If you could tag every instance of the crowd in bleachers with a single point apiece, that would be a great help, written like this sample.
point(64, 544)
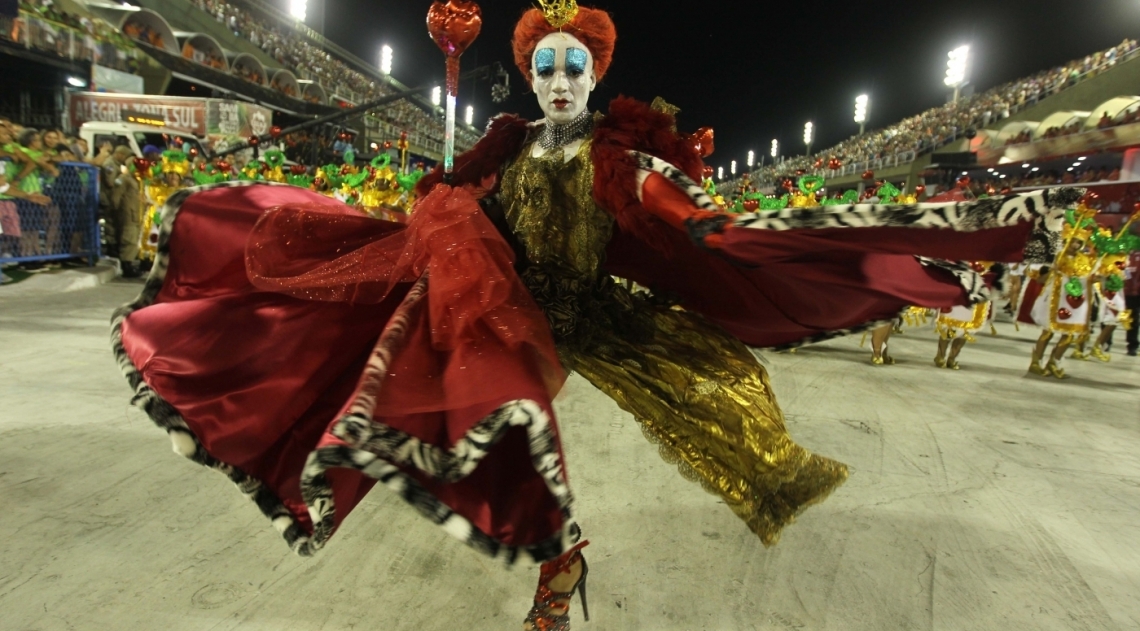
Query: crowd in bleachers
point(307, 60)
point(43, 26)
point(939, 125)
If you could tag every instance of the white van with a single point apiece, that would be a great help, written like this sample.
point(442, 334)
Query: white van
point(136, 137)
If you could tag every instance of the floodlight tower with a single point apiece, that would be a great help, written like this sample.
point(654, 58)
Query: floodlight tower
point(862, 104)
point(956, 69)
point(386, 59)
point(298, 9)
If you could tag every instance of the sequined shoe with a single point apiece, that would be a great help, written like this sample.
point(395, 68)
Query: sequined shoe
point(1101, 355)
point(952, 364)
point(1053, 370)
point(551, 610)
point(1079, 355)
point(1036, 369)
point(939, 362)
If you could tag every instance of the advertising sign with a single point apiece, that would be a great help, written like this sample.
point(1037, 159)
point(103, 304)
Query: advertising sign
point(231, 122)
point(182, 114)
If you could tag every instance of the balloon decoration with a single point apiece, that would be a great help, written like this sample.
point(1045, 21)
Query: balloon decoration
point(835, 164)
point(868, 174)
point(1064, 314)
point(818, 164)
point(275, 132)
point(920, 190)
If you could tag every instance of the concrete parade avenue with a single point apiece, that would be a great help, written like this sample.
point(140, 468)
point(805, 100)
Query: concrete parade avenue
point(983, 499)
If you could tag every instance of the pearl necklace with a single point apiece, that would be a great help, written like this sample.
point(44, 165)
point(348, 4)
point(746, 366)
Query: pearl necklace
point(554, 136)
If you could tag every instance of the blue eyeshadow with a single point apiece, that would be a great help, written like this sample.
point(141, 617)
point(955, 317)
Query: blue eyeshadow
point(544, 60)
point(576, 60)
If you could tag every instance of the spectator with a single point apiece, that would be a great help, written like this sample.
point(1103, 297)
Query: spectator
point(1132, 300)
point(119, 199)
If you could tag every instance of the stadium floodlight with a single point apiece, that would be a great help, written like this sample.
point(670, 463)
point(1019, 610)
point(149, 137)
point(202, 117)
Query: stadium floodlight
point(386, 59)
point(775, 148)
point(751, 159)
point(809, 136)
point(956, 69)
point(861, 103)
point(469, 115)
point(298, 9)
point(720, 173)
point(436, 96)
point(732, 167)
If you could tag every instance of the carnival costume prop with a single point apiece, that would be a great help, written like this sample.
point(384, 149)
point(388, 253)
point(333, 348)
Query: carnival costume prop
point(356, 351)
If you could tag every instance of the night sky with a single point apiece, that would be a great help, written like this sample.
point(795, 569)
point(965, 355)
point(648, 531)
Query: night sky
point(755, 71)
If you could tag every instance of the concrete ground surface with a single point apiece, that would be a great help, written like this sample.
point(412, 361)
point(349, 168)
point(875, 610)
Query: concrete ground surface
point(979, 499)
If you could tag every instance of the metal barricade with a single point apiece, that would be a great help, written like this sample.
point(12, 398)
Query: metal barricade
point(67, 228)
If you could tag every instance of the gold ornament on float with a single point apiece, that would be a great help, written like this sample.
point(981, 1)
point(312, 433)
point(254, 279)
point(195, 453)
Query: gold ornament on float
point(559, 13)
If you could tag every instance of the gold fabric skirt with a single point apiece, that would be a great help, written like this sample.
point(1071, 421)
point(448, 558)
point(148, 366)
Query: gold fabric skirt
point(702, 396)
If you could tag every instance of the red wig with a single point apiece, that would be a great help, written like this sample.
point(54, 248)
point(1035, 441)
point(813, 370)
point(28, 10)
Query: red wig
point(593, 27)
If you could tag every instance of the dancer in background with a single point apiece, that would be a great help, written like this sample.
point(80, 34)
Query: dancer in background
point(1058, 299)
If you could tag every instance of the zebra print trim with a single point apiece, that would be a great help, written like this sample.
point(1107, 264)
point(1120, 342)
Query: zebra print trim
point(377, 450)
point(975, 286)
point(390, 447)
point(161, 412)
point(380, 450)
point(1042, 207)
point(647, 164)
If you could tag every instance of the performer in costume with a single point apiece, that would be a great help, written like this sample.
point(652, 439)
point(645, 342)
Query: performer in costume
point(158, 184)
point(960, 319)
point(1057, 300)
point(307, 351)
point(1110, 308)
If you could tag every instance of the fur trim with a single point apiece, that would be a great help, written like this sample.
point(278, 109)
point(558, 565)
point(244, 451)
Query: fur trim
point(634, 126)
point(377, 450)
point(1046, 208)
point(650, 164)
point(502, 141)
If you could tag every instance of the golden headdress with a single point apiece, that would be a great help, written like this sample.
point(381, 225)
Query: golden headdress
point(559, 13)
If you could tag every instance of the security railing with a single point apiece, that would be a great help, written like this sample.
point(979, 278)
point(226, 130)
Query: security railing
point(66, 228)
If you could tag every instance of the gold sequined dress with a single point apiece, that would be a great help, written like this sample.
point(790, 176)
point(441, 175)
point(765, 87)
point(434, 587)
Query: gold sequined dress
point(697, 392)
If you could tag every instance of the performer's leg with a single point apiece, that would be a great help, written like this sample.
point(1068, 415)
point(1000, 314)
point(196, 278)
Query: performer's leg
point(879, 337)
point(557, 582)
point(1081, 343)
point(1133, 337)
point(1104, 342)
point(955, 348)
point(1039, 352)
point(1053, 368)
point(943, 344)
point(1014, 295)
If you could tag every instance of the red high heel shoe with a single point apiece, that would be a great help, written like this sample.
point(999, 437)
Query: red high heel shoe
point(551, 610)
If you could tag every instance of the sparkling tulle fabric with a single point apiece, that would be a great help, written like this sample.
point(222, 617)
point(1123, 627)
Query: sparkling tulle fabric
point(697, 392)
point(477, 304)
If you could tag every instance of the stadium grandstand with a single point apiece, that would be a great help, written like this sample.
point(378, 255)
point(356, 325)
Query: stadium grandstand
point(984, 124)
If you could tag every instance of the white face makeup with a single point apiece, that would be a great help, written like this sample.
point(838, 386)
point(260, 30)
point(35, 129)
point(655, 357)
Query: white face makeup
point(562, 74)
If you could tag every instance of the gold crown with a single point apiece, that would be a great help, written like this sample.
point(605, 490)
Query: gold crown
point(559, 13)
